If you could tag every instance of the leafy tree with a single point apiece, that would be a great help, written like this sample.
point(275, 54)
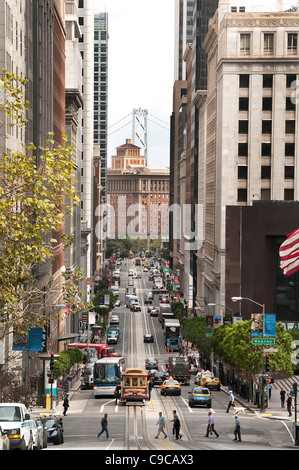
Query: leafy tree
point(32, 192)
point(233, 344)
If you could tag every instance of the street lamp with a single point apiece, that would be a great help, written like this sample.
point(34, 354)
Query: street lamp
point(236, 299)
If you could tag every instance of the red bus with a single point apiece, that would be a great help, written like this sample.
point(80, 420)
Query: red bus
point(103, 350)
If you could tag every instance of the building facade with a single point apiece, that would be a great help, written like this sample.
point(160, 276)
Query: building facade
point(249, 120)
point(138, 196)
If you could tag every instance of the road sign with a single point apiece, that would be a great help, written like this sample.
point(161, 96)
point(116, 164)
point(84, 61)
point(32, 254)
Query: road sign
point(263, 340)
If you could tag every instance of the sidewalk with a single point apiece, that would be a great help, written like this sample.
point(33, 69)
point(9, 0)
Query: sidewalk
point(57, 411)
point(274, 409)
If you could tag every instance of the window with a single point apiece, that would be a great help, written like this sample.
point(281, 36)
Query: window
point(290, 79)
point(243, 149)
point(289, 149)
point(267, 104)
point(289, 195)
point(243, 104)
point(292, 42)
point(290, 126)
point(242, 195)
point(266, 172)
point(244, 81)
point(265, 194)
point(267, 81)
point(266, 126)
point(290, 104)
point(245, 43)
point(268, 43)
point(289, 172)
point(242, 172)
point(266, 149)
point(243, 127)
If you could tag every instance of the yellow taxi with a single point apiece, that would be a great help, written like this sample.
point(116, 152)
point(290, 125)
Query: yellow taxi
point(170, 387)
point(210, 381)
point(145, 270)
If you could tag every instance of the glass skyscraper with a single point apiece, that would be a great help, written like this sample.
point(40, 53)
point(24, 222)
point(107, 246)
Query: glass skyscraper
point(101, 93)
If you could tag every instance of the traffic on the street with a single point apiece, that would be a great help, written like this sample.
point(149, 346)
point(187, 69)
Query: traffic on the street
point(157, 382)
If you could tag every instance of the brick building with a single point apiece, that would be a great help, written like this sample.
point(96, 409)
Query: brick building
point(138, 196)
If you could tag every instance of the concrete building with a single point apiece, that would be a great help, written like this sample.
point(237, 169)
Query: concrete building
point(249, 124)
point(192, 19)
point(86, 116)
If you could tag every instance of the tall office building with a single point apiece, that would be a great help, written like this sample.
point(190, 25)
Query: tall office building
point(101, 93)
point(192, 19)
point(249, 119)
point(86, 115)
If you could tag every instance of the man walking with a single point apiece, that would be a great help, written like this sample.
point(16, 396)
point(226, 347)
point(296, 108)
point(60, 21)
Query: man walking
point(104, 423)
point(66, 404)
point(231, 401)
point(161, 423)
point(211, 424)
point(237, 429)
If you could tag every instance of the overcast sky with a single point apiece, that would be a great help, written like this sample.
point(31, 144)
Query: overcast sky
point(140, 66)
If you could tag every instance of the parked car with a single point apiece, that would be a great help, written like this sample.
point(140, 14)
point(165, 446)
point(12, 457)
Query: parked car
point(54, 427)
point(43, 432)
point(4, 440)
point(37, 434)
point(14, 418)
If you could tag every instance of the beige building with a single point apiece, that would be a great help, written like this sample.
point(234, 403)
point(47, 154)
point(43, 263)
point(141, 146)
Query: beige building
point(138, 196)
point(248, 126)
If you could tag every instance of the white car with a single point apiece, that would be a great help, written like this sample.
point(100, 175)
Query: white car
point(114, 320)
point(36, 434)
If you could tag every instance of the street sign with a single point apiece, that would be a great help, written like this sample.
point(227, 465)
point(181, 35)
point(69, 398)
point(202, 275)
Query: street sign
point(263, 340)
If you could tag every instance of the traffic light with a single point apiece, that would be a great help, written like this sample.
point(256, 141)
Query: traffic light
point(295, 388)
point(52, 361)
point(267, 366)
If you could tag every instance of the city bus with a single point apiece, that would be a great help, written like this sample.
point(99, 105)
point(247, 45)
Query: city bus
point(107, 374)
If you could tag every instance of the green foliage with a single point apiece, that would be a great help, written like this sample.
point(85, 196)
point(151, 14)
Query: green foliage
point(66, 360)
point(33, 191)
point(233, 345)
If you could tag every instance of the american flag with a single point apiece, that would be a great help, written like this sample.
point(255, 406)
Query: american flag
point(289, 254)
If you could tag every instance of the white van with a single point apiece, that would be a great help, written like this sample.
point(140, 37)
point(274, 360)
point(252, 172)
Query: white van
point(14, 418)
point(129, 298)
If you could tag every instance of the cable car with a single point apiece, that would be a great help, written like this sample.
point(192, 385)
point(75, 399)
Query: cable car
point(134, 386)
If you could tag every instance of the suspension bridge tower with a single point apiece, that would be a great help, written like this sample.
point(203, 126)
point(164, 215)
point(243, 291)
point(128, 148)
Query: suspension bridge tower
point(139, 129)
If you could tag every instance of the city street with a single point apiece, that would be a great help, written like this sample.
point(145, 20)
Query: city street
point(128, 432)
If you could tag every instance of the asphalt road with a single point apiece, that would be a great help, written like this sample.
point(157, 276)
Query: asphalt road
point(82, 422)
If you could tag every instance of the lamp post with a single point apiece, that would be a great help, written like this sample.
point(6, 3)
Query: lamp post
point(212, 304)
point(236, 299)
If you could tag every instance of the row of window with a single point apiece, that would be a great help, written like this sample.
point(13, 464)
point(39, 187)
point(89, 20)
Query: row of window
point(268, 43)
point(266, 149)
point(244, 80)
point(289, 172)
point(265, 195)
point(290, 126)
point(267, 104)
